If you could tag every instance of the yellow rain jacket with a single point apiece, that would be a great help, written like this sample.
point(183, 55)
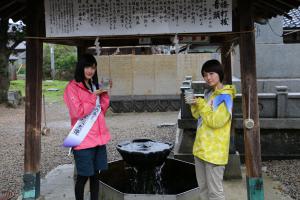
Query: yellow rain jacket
point(214, 121)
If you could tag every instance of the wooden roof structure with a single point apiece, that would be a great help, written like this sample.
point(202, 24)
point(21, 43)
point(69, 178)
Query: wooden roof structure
point(16, 9)
point(262, 9)
point(245, 12)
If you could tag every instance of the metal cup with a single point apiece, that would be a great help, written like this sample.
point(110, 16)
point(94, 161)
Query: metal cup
point(189, 96)
point(105, 84)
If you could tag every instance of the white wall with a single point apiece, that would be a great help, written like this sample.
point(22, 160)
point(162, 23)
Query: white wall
point(150, 74)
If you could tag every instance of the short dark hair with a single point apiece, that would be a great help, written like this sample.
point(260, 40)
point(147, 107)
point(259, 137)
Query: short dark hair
point(213, 66)
point(86, 60)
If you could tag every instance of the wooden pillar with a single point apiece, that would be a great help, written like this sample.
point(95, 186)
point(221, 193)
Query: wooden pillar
point(34, 56)
point(249, 95)
point(81, 50)
point(226, 61)
point(233, 167)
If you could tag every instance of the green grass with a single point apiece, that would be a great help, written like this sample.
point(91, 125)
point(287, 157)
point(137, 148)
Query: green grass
point(50, 96)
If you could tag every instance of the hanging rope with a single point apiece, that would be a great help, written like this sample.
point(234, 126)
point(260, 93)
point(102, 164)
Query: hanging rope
point(249, 102)
point(134, 36)
point(249, 123)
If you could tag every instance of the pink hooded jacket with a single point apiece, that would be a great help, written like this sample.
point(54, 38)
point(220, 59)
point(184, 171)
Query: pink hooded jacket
point(80, 102)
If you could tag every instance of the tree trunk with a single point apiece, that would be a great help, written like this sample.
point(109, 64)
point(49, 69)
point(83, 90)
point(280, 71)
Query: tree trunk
point(4, 56)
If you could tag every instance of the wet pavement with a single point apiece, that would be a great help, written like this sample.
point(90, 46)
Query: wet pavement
point(58, 185)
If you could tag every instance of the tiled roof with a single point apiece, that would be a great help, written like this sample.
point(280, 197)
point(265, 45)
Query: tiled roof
point(292, 23)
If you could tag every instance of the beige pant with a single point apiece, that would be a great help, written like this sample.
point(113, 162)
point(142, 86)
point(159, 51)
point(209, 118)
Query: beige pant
point(209, 178)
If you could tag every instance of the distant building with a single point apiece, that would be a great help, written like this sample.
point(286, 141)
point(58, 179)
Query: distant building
point(277, 53)
point(17, 60)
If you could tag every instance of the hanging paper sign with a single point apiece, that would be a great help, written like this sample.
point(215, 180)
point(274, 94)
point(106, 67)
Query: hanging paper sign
point(65, 18)
point(195, 39)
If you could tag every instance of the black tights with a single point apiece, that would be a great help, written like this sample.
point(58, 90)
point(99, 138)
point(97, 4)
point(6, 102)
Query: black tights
point(94, 187)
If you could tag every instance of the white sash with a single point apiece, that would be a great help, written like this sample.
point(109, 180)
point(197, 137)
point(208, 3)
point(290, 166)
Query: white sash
point(82, 127)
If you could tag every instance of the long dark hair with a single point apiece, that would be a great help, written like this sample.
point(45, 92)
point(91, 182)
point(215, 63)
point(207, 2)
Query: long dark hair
point(86, 60)
point(213, 66)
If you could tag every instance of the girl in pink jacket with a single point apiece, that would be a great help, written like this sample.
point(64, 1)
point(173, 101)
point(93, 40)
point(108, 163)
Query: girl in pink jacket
point(81, 96)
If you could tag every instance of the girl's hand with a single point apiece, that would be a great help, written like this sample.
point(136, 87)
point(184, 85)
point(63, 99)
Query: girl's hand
point(99, 91)
point(190, 101)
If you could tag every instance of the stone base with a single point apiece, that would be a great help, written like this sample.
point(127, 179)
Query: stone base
point(263, 85)
point(233, 168)
point(14, 98)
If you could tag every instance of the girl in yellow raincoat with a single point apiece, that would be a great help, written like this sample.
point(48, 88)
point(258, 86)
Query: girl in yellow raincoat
point(211, 146)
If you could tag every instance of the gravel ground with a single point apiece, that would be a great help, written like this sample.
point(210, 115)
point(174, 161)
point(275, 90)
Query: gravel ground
point(122, 127)
point(125, 126)
point(288, 173)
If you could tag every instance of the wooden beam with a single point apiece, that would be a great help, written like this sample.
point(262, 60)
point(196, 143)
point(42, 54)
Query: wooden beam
point(282, 2)
point(13, 13)
point(6, 14)
point(34, 56)
point(62, 42)
point(108, 42)
point(278, 10)
point(226, 62)
point(263, 11)
point(80, 51)
point(7, 5)
point(17, 13)
point(249, 96)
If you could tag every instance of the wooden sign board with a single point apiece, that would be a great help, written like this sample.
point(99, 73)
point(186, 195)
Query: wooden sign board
point(65, 18)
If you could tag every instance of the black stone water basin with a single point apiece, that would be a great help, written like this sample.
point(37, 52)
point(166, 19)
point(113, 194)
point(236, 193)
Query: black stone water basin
point(178, 179)
point(144, 153)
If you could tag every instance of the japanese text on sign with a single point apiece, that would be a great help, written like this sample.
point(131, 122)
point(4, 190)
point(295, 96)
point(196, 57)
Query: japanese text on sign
point(132, 17)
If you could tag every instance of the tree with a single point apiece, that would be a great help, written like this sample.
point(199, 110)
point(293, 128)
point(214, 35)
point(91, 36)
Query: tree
point(11, 34)
point(65, 60)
